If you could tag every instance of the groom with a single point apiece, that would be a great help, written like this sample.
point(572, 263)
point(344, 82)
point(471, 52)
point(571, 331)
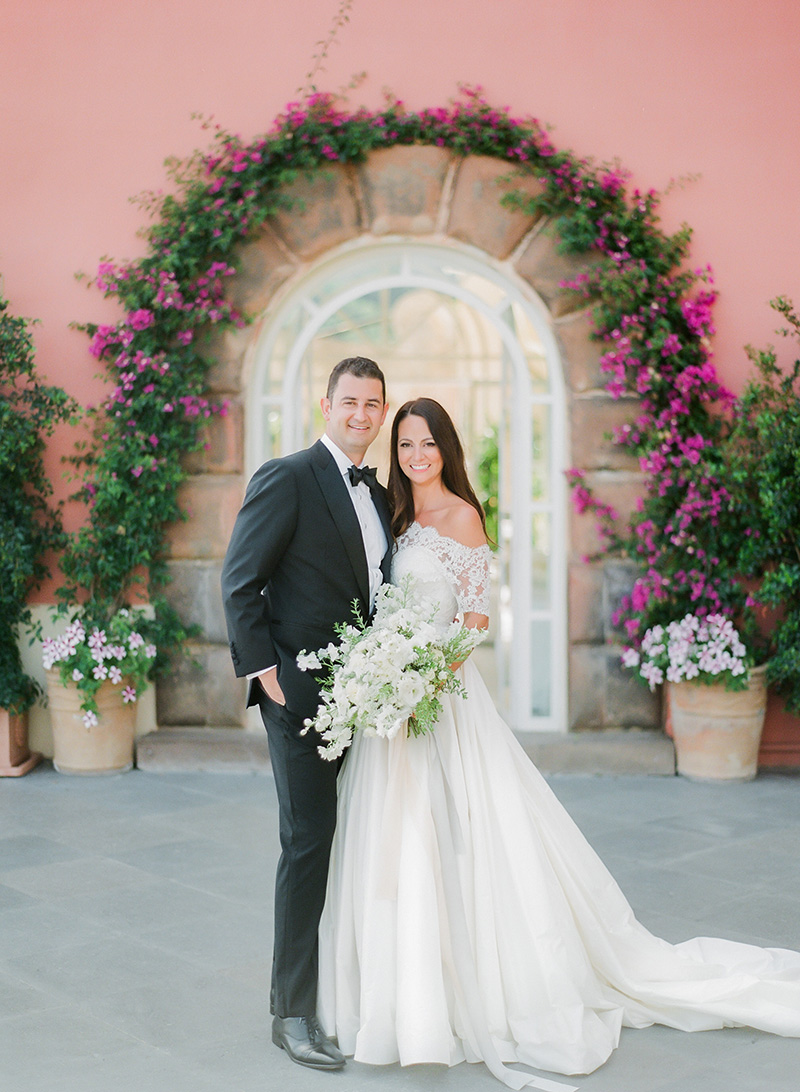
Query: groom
point(312, 536)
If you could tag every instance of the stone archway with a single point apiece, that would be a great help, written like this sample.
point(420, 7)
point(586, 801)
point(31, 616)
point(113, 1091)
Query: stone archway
point(418, 191)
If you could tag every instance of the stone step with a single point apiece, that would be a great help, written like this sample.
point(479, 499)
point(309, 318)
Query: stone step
point(610, 751)
point(203, 750)
point(233, 750)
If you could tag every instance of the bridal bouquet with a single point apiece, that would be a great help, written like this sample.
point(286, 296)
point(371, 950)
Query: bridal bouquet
point(389, 674)
point(706, 649)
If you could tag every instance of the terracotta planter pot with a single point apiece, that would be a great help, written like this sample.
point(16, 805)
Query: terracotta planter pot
point(16, 758)
point(717, 732)
point(105, 748)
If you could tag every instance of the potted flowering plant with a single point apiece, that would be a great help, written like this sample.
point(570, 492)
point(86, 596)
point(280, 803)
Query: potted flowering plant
point(722, 552)
point(95, 676)
point(717, 699)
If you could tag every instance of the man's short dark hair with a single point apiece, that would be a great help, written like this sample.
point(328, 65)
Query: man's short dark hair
point(360, 366)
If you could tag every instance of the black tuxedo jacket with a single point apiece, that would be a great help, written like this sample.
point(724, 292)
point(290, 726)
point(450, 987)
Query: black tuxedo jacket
point(295, 564)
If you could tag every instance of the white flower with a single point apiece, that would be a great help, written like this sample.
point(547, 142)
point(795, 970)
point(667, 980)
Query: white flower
point(308, 661)
point(383, 674)
point(652, 675)
point(710, 646)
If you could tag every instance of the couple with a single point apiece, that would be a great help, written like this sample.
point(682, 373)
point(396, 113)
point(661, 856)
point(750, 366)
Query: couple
point(465, 916)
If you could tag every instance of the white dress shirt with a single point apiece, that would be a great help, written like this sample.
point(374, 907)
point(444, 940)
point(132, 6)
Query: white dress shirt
point(372, 532)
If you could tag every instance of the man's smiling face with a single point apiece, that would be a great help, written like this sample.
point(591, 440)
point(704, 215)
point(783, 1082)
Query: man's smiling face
point(354, 414)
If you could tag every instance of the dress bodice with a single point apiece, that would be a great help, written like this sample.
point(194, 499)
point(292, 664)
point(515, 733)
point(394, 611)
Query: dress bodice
point(451, 575)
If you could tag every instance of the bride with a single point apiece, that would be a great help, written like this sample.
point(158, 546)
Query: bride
point(466, 917)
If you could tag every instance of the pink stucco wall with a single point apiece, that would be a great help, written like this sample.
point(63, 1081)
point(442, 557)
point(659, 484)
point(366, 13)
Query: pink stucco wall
point(95, 95)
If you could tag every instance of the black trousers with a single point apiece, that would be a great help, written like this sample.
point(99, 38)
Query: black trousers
point(306, 787)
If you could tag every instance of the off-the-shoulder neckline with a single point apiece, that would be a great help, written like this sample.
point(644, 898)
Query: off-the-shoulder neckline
point(447, 538)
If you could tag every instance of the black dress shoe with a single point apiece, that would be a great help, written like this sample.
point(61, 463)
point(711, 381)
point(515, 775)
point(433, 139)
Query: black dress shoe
point(306, 1043)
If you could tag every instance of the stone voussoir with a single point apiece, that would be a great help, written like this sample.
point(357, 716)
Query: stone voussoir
point(476, 213)
point(580, 354)
point(262, 266)
point(223, 443)
point(227, 350)
point(324, 211)
point(544, 268)
point(402, 188)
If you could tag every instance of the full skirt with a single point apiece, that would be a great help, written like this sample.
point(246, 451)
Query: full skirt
point(468, 918)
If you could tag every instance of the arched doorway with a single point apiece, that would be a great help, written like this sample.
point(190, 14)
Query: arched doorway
point(444, 320)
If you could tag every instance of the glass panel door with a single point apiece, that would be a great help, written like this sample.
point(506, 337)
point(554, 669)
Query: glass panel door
point(442, 323)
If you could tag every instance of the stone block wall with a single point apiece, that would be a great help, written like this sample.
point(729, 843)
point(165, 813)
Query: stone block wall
point(420, 192)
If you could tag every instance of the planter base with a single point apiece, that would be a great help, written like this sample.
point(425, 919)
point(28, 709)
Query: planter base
point(105, 748)
point(90, 773)
point(16, 758)
point(33, 759)
point(716, 731)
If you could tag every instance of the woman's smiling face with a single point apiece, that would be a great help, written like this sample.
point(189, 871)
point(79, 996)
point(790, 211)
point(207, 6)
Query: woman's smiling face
point(417, 452)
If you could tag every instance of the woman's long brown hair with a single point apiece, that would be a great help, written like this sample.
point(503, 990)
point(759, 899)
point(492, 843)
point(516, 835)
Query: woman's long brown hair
point(454, 470)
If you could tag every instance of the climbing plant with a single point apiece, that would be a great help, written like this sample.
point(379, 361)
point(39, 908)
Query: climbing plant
point(651, 310)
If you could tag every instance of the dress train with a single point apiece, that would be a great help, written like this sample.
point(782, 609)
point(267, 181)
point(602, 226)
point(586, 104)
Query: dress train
point(468, 918)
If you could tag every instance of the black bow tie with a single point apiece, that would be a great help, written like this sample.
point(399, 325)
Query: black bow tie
point(366, 474)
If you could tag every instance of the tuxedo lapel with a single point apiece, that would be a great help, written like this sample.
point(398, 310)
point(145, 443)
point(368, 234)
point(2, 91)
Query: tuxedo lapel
point(334, 492)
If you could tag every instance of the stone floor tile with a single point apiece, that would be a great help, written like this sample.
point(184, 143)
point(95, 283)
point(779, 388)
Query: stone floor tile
point(192, 1011)
point(38, 1042)
point(104, 966)
point(118, 837)
point(150, 906)
point(212, 945)
point(184, 860)
point(219, 822)
point(138, 1069)
point(61, 879)
point(10, 899)
point(18, 997)
point(25, 850)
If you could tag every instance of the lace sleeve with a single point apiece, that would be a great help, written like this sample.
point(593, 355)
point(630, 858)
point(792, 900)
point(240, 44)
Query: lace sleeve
point(466, 568)
point(472, 575)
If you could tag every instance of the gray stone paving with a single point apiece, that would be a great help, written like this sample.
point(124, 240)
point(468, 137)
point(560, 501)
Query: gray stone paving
point(135, 930)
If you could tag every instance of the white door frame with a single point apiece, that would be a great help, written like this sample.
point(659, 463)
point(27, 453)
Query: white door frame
point(407, 254)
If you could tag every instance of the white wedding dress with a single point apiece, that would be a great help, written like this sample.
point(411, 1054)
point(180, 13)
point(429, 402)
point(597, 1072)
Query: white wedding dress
point(468, 918)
